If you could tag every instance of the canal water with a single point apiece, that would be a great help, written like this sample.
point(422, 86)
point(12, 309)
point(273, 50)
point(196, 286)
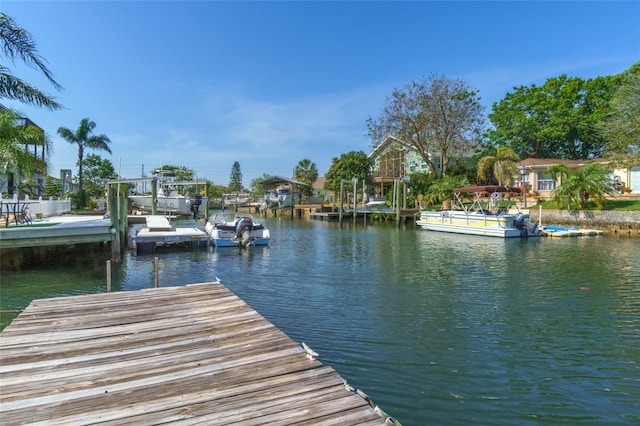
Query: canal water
point(437, 329)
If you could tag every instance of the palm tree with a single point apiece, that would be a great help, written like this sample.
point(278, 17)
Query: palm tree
point(502, 166)
point(83, 138)
point(307, 172)
point(590, 182)
point(14, 140)
point(16, 43)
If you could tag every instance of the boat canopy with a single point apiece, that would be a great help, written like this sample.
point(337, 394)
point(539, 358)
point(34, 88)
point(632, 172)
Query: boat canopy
point(274, 181)
point(487, 189)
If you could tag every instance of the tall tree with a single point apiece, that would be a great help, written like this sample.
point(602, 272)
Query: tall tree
point(622, 127)
point(501, 167)
point(14, 140)
point(559, 119)
point(256, 186)
point(435, 116)
point(307, 172)
point(353, 164)
point(17, 43)
point(235, 179)
point(85, 140)
point(97, 171)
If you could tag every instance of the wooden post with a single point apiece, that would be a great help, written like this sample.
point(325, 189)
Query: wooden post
point(157, 272)
point(355, 200)
point(340, 204)
point(154, 195)
point(397, 198)
point(114, 215)
point(108, 276)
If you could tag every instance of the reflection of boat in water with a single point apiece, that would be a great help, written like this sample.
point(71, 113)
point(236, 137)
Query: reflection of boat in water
point(169, 200)
point(236, 199)
point(476, 219)
point(240, 230)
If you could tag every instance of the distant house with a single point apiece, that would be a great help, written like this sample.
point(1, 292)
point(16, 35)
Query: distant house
point(393, 161)
point(540, 182)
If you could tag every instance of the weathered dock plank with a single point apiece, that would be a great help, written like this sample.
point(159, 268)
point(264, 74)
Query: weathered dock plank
point(185, 355)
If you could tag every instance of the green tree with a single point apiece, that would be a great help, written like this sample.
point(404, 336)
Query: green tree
point(434, 116)
point(256, 186)
point(622, 127)
point(52, 187)
point(14, 140)
point(559, 119)
point(96, 173)
point(442, 189)
point(307, 172)
point(235, 179)
point(419, 184)
point(85, 140)
point(353, 164)
point(17, 43)
point(501, 167)
point(174, 173)
point(577, 187)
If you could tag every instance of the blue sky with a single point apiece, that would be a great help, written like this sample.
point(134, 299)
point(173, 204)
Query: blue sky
point(203, 84)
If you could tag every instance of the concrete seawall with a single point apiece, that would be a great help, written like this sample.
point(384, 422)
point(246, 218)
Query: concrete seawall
point(611, 222)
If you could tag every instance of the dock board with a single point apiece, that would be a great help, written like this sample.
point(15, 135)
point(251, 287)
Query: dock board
point(192, 354)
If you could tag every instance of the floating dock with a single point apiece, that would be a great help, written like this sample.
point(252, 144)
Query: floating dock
point(562, 231)
point(58, 230)
point(191, 354)
point(159, 232)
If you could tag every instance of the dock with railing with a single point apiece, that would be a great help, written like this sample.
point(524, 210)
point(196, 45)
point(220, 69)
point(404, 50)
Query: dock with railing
point(191, 354)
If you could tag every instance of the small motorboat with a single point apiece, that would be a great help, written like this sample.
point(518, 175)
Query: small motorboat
point(241, 230)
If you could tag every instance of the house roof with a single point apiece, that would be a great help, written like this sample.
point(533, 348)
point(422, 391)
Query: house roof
point(384, 145)
point(278, 180)
point(548, 162)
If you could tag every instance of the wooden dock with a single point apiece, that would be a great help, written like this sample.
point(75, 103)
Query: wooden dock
point(192, 354)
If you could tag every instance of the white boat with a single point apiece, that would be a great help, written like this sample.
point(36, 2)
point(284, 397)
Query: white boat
point(476, 219)
point(281, 198)
point(241, 230)
point(171, 202)
point(236, 199)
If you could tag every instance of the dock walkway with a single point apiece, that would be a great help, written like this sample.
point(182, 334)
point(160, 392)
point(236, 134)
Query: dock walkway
point(192, 354)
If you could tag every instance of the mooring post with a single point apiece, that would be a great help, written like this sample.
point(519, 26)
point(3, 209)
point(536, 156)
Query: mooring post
point(154, 195)
point(108, 276)
point(157, 272)
point(340, 204)
point(115, 217)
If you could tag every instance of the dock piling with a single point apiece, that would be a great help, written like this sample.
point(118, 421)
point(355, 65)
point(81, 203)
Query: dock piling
point(108, 276)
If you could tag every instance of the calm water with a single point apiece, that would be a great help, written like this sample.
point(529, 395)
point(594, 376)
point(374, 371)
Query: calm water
point(438, 329)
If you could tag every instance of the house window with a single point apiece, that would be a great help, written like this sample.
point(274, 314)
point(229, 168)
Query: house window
point(546, 182)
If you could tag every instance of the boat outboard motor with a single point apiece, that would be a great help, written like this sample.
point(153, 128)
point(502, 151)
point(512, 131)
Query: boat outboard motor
point(243, 231)
point(525, 225)
point(195, 203)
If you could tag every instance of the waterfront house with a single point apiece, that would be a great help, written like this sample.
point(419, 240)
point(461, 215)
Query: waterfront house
point(539, 182)
point(392, 161)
